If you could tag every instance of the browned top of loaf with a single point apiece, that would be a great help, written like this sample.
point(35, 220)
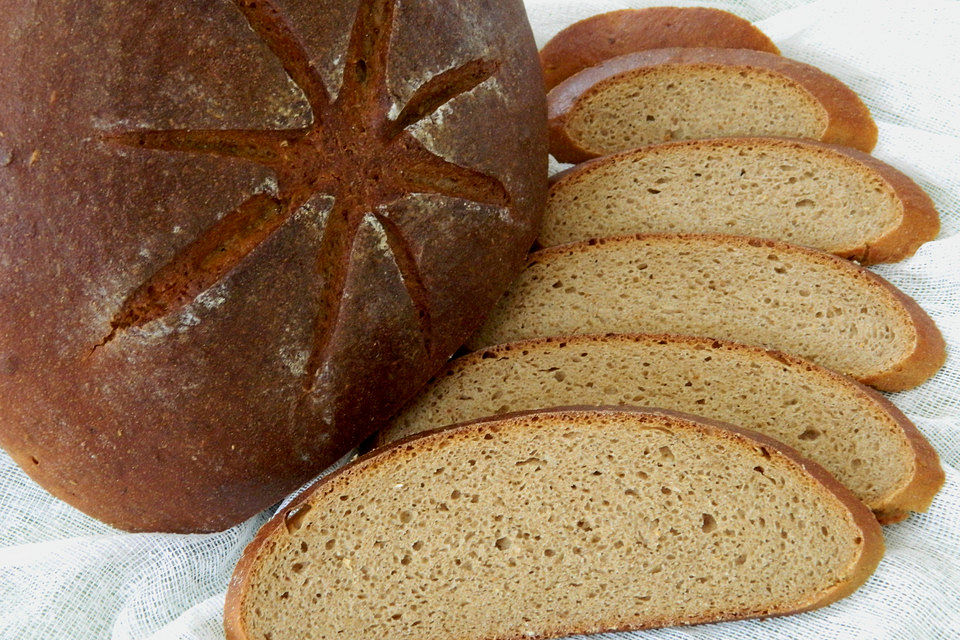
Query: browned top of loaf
point(924, 348)
point(848, 120)
point(601, 37)
point(222, 219)
point(279, 532)
point(919, 221)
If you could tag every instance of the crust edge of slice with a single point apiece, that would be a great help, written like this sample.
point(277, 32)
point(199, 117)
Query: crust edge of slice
point(849, 122)
point(919, 224)
point(914, 496)
point(584, 43)
point(929, 348)
point(872, 547)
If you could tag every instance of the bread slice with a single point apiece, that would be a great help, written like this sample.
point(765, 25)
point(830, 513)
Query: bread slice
point(759, 292)
point(679, 94)
point(551, 524)
point(608, 35)
point(852, 431)
point(819, 195)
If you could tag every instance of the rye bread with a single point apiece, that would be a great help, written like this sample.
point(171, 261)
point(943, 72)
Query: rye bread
point(555, 523)
point(663, 95)
point(591, 41)
point(760, 292)
point(222, 218)
point(859, 436)
point(824, 196)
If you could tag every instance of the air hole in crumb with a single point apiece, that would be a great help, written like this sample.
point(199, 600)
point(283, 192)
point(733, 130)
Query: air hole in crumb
point(304, 547)
point(330, 544)
point(405, 517)
point(740, 559)
point(297, 567)
point(503, 543)
point(666, 454)
point(294, 519)
point(406, 559)
point(709, 523)
point(858, 540)
point(810, 434)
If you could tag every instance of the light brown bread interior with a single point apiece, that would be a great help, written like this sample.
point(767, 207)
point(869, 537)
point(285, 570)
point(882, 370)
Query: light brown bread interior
point(551, 524)
point(853, 432)
point(759, 292)
point(831, 198)
point(670, 94)
point(682, 102)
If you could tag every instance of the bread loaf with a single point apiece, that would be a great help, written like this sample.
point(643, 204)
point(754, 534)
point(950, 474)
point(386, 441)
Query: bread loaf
point(608, 35)
point(223, 218)
point(679, 94)
point(855, 433)
point(551, 524)
point(832, 198)
point(759, 292)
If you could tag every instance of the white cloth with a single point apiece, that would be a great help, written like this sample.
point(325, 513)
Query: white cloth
point(66, 576)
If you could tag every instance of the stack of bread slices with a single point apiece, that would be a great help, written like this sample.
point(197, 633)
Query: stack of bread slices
point(671, 417)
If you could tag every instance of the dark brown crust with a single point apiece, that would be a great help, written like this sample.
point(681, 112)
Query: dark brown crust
point(916, 496)
point(919, 224)
point(181, 342)
point(820, 480)
point(608, 35)
point(848, 119)
point(929, 352)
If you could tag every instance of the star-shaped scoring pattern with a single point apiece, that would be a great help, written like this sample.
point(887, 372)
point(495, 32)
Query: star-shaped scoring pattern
point(352, 151)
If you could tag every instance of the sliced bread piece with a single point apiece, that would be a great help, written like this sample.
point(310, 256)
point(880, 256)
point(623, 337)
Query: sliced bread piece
point(854, 432)
point(608, 35)
point(759, 292)
point(829, 197)
point(550, 524)
point(680, 94)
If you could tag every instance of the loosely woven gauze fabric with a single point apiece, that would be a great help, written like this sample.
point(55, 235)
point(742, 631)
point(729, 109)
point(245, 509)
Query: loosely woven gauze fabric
point(66, 576)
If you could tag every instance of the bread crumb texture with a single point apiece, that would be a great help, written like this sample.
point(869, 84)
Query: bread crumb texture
point(762, 293)
point(780, 189)
point(551, 524)
point(686, 101)
point(828, 419)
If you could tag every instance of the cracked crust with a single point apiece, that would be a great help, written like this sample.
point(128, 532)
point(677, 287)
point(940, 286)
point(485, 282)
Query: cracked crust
point(860, 518)
point(848, 121)
point(591, 41)
point(238, 213)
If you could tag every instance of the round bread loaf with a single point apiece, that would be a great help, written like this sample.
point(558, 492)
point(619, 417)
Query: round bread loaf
point(239, 234)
